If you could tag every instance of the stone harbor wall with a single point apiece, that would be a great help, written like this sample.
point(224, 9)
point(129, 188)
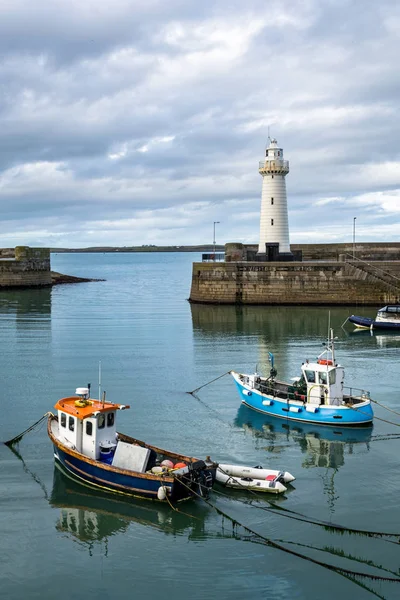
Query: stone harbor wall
point(312, 283)
point(29, 267)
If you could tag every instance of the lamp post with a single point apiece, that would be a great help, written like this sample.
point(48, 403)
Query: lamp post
point(215, 223)
point(354, 237)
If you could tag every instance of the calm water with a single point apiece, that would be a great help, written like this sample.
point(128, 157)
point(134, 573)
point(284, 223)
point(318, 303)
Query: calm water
point(59, 539)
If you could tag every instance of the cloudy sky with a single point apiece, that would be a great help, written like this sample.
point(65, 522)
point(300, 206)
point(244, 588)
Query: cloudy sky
point(129, 122)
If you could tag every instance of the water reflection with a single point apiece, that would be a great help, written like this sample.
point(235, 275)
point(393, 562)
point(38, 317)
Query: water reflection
point(29, 302)
point(321, 446)
point(90, 516)
point(289, 332)
point(271, 321)
point(383, 339)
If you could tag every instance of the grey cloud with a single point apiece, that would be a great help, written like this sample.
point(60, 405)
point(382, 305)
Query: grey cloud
point(87, 86)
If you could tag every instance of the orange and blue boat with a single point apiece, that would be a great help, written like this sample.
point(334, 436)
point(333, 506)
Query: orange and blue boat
point(88, 446)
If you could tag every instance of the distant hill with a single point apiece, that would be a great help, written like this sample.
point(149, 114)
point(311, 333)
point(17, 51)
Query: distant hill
point(149, 248)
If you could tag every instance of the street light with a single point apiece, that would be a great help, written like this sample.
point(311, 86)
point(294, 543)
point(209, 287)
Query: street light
point(354, 237)
point(215, 223)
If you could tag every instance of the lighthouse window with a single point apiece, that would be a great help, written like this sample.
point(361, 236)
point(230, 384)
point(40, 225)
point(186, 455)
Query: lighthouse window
point(272, 221)
point(272, 176)
point(63, 420)
point(89, 428)
point(110, 419)
point(272, 200)
point(101, 421)
point(71, 423)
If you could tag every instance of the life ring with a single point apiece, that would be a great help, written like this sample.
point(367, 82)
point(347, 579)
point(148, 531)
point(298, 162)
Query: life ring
point(324, 361)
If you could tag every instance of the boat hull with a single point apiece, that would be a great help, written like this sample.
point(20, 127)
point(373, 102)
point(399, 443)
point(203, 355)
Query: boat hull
point(129, 483)
point(368, 323)
point(359, 415)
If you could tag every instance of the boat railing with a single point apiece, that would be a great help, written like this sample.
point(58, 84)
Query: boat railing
point(352, 392)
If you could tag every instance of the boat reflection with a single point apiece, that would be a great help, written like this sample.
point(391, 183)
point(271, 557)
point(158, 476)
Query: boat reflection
point(88, 516)
point(322, 446)
point(383, 339)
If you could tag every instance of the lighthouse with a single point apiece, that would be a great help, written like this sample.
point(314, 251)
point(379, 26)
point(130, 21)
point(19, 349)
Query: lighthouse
point(274, 223)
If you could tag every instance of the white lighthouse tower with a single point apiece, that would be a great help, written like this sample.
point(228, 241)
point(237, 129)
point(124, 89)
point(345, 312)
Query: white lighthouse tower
point(274, 223)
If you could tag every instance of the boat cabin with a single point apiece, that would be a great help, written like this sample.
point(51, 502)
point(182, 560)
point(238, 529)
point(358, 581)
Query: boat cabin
point(87, 425)
point(324, 382)
point(390, 314)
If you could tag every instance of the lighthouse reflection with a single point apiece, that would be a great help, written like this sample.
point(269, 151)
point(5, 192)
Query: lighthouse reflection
point(90, 517)
point(321, 446)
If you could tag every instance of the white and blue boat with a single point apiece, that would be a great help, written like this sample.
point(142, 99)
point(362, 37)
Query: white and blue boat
point(318, 396)
point(89, 448)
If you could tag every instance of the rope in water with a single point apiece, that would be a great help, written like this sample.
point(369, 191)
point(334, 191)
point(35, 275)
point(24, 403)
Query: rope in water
point(19, 437)
point(297, 516)
point(385, 407)
point(208, 383)
point(274, 544)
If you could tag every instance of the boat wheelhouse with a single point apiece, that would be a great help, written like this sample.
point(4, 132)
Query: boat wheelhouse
point(317, 396)
point(88, 446)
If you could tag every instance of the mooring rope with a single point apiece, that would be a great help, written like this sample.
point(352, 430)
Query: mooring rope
point(385, 407)
point(375, 417)
point(278, 546)
point(208, 383)
point(211, 409)
point(27, 470)
point(341, 553)
point(297, 516)
point(19, 437)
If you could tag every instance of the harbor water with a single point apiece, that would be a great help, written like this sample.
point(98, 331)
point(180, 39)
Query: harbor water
point(150, 347)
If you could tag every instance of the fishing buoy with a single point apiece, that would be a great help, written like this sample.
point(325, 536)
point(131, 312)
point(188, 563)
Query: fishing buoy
point(167, 463)
point(157, 470)
point(180, 465)
point(161, 493)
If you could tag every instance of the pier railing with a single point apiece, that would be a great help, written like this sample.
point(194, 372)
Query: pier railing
point(213, 257)
point(389, 279)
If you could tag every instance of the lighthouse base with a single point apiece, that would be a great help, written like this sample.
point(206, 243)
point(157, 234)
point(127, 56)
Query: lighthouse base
point(272, 254)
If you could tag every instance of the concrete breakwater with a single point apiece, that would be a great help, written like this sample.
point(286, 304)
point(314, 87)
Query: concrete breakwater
point(347, 281)
point(25, 267)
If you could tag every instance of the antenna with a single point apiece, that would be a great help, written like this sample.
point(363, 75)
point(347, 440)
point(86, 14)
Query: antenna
point(99, 379)
point(268, 134)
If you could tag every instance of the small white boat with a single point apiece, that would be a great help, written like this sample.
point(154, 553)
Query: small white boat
point(255, 479)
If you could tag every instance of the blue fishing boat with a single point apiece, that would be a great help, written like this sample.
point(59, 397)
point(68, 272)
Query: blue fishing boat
point(88, 446)
point(318, 396)
point(387, 317)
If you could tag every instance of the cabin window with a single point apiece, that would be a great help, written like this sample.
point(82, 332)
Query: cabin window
point(89, 428)
point(110, 419)
point(101, 421)
point(71, 423)
point(310, 376)
point(332, 376)
point(63, 420)
point(323, 378)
